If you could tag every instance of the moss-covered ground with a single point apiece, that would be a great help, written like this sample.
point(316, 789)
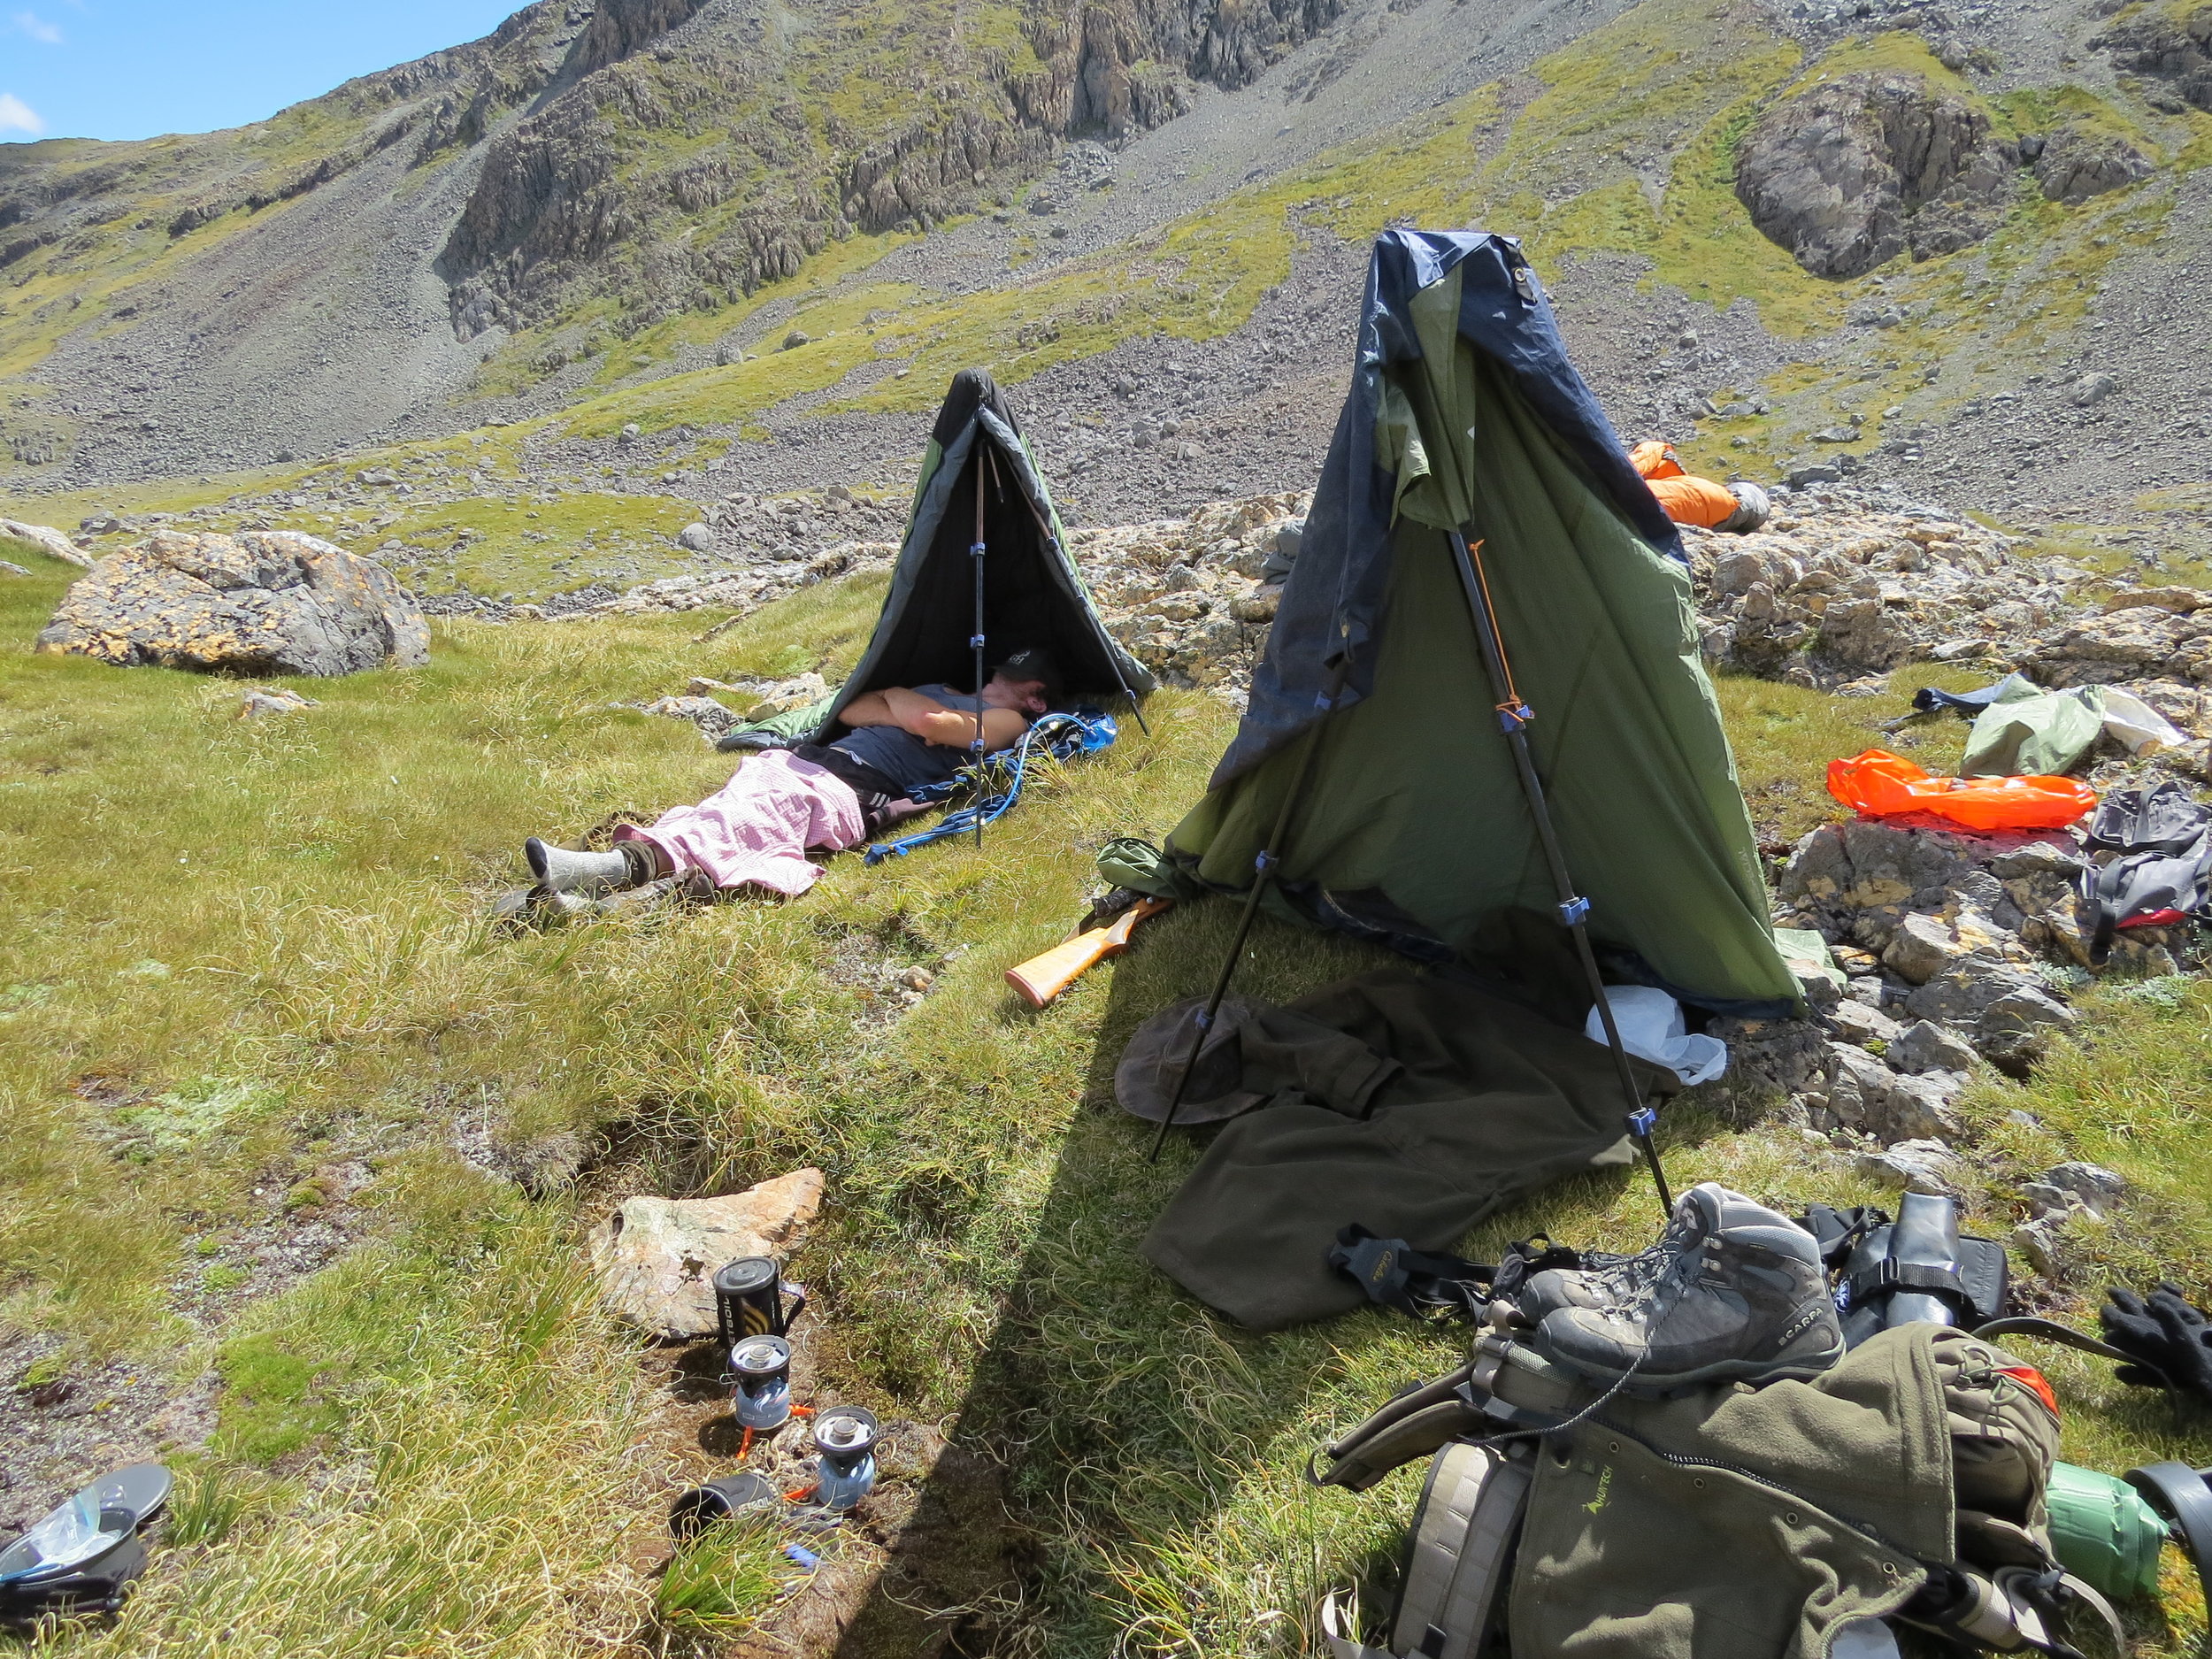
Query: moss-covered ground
point(242, 952)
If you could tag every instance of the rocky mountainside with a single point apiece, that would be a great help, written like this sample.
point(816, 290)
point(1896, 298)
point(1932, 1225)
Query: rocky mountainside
point(1950, 249)
point(611, 164)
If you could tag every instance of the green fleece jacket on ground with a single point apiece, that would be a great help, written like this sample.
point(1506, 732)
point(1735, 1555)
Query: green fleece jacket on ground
point(1440, 1102)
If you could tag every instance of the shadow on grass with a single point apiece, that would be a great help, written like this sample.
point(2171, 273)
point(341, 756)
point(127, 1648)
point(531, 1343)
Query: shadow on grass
point(1132, 1474)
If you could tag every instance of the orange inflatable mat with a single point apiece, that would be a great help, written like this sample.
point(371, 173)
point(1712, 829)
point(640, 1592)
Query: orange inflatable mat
point(1878, 783)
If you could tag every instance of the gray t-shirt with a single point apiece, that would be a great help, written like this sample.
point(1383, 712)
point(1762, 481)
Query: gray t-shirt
point(905, 759)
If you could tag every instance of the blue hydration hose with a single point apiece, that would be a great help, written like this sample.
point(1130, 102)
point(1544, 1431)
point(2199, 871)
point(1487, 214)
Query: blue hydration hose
point(1063, 736)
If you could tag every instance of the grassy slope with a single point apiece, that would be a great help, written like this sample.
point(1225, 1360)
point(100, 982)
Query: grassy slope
point(315, 967)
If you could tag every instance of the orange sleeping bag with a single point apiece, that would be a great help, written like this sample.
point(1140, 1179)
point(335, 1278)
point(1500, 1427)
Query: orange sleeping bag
point(1689, 499)
point(1878, 783)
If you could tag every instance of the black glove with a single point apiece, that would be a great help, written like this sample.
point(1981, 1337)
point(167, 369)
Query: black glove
point(2170, 1336)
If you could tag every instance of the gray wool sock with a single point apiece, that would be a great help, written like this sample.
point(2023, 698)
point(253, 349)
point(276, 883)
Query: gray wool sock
point(560, 871)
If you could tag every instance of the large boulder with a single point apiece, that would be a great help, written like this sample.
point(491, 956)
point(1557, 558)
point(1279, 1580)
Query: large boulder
point(2079, 163)
point(1926, 898)
point(47, 540)
point(1852, 173)
point(263, 601)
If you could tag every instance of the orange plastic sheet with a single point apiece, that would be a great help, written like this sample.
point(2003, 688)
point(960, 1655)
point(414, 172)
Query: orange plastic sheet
point(1878, 783)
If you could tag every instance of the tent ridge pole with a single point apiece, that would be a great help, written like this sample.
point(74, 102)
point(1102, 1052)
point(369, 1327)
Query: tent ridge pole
point(975, 640)
point(1264, 868)
point(1514, 716)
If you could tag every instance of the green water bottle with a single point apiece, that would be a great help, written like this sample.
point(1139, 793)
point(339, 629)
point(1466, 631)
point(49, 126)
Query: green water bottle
point(2103, 1533)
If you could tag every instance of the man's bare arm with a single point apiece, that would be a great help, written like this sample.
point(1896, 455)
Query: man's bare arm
point(932, 721)
point(954, 728)
point(910, 710)
point(868, 709)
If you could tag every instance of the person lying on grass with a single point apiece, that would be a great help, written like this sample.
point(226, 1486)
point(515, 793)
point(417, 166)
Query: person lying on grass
point(756, 829)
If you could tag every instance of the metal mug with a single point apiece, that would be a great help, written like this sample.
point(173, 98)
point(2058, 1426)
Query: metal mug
point(749, 1301)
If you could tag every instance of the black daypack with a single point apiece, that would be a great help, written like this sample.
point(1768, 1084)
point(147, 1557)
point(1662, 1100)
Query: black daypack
point(1952, 1277)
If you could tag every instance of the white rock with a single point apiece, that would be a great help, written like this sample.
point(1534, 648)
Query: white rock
point(1923, 946)
point(1924, 1046)
point(2091, 1186)
point(655, 1257)
point(1857, 1023)
point(1919, 1166)
point(273, 700)
point(48, 540)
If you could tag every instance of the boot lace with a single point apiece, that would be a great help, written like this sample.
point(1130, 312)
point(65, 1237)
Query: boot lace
point(1629, 1278)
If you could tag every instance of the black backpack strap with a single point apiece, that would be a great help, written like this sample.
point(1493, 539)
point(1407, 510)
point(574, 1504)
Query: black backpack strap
point(1838, 1232)
point(1417, 1283)
point(2051, 1330)
point(1888, 1275)
point(1429, 1286)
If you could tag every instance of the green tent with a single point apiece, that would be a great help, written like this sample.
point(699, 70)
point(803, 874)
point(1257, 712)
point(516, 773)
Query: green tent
point(1410, 826)
point(1032, 594)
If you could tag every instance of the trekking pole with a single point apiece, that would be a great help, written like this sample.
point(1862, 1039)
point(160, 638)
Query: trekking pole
point(1264, 868)
point(975, 643)
point(1514, 717)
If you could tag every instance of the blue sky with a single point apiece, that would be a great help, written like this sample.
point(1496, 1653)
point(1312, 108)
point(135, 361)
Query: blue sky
point(133, 68)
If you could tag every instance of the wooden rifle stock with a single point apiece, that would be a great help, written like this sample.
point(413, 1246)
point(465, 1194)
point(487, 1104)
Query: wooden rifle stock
point(1041, 978)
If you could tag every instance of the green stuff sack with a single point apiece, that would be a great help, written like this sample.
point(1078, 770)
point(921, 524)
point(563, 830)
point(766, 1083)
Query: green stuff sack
point(1131, 861)
point(2031, 734)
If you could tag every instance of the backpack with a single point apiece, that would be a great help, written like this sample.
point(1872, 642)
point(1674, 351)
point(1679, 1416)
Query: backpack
point(1481, 1425)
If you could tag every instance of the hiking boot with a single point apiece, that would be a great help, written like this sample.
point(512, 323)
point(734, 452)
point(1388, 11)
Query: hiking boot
point(1741, 1294)
point(1605, 1280)
point(560, 871)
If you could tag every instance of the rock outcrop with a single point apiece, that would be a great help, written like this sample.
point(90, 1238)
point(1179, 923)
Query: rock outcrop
point(1819, 598)
point(1192, 598)
point(1833, 600)
point(2167, 46)
point(259, 602)
point(1853, 172)
point(585, 195)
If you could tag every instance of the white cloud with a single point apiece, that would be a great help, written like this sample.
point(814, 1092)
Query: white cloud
point(38, 28)
point(19, 117)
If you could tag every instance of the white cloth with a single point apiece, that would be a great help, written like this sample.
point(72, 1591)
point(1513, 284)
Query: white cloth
point(2135, 723)
point(1651, 1026)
